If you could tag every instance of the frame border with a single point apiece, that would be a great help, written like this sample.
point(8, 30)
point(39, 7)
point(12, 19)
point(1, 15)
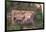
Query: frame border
point(23, 29)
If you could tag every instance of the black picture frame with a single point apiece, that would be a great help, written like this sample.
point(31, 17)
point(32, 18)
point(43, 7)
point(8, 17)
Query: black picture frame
point(24, 2)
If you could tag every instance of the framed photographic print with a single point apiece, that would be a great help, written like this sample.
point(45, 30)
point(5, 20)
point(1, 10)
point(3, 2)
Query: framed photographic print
point(24, 15)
